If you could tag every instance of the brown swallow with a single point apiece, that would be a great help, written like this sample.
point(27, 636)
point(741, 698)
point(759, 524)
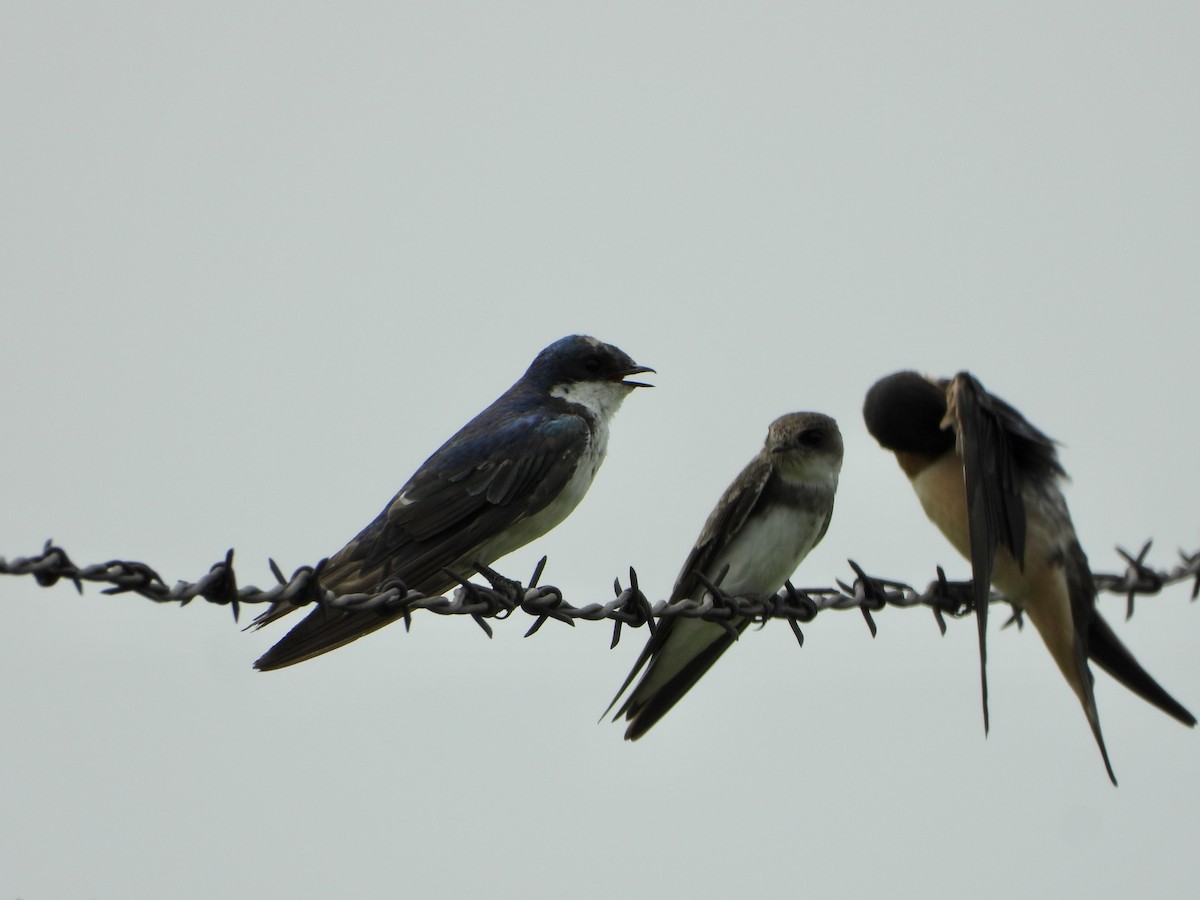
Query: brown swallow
point(990, 481)
point(763, 526)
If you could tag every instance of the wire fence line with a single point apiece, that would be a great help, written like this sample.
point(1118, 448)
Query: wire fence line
point(501, 596)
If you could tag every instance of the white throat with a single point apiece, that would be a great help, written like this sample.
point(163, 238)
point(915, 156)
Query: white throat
point(797, 468)
point(600, 398)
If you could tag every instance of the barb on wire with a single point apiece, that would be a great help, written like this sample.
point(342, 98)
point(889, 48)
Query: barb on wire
point(503, 596)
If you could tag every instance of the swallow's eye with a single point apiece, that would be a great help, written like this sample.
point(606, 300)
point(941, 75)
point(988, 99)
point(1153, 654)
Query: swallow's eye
point(593, 364)
point(811, 438)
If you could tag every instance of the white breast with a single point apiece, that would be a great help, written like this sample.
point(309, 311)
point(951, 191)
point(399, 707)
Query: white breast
point(601, 399)
point(768, 550)
point(559, 508)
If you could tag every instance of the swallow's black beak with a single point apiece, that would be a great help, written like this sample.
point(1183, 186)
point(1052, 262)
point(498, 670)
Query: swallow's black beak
point(635, 370)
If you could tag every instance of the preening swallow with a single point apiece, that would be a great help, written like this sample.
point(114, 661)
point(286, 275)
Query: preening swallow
point(763, 526)
point(990, 481)
point(507, 477)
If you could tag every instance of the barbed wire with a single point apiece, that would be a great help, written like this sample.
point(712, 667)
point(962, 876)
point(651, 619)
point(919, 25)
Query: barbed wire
point(630, 607)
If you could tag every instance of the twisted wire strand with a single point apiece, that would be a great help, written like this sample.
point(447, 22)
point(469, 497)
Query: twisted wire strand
point(502, 596)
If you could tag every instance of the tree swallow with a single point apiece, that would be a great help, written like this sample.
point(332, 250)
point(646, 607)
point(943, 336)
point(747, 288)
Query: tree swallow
point(763, 526)
point(507, 477)
point(990, 481)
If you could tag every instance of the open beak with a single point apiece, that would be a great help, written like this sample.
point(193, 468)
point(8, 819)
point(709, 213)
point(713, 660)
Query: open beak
point(636, 370)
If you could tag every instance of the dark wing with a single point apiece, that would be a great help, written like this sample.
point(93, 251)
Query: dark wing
point(479, 484)
point(645, 709)
point(999, 450)
point(1107, 651)
point(459, 500)
point(724, 523)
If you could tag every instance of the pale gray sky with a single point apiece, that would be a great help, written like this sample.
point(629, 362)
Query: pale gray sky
point(261, 259)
